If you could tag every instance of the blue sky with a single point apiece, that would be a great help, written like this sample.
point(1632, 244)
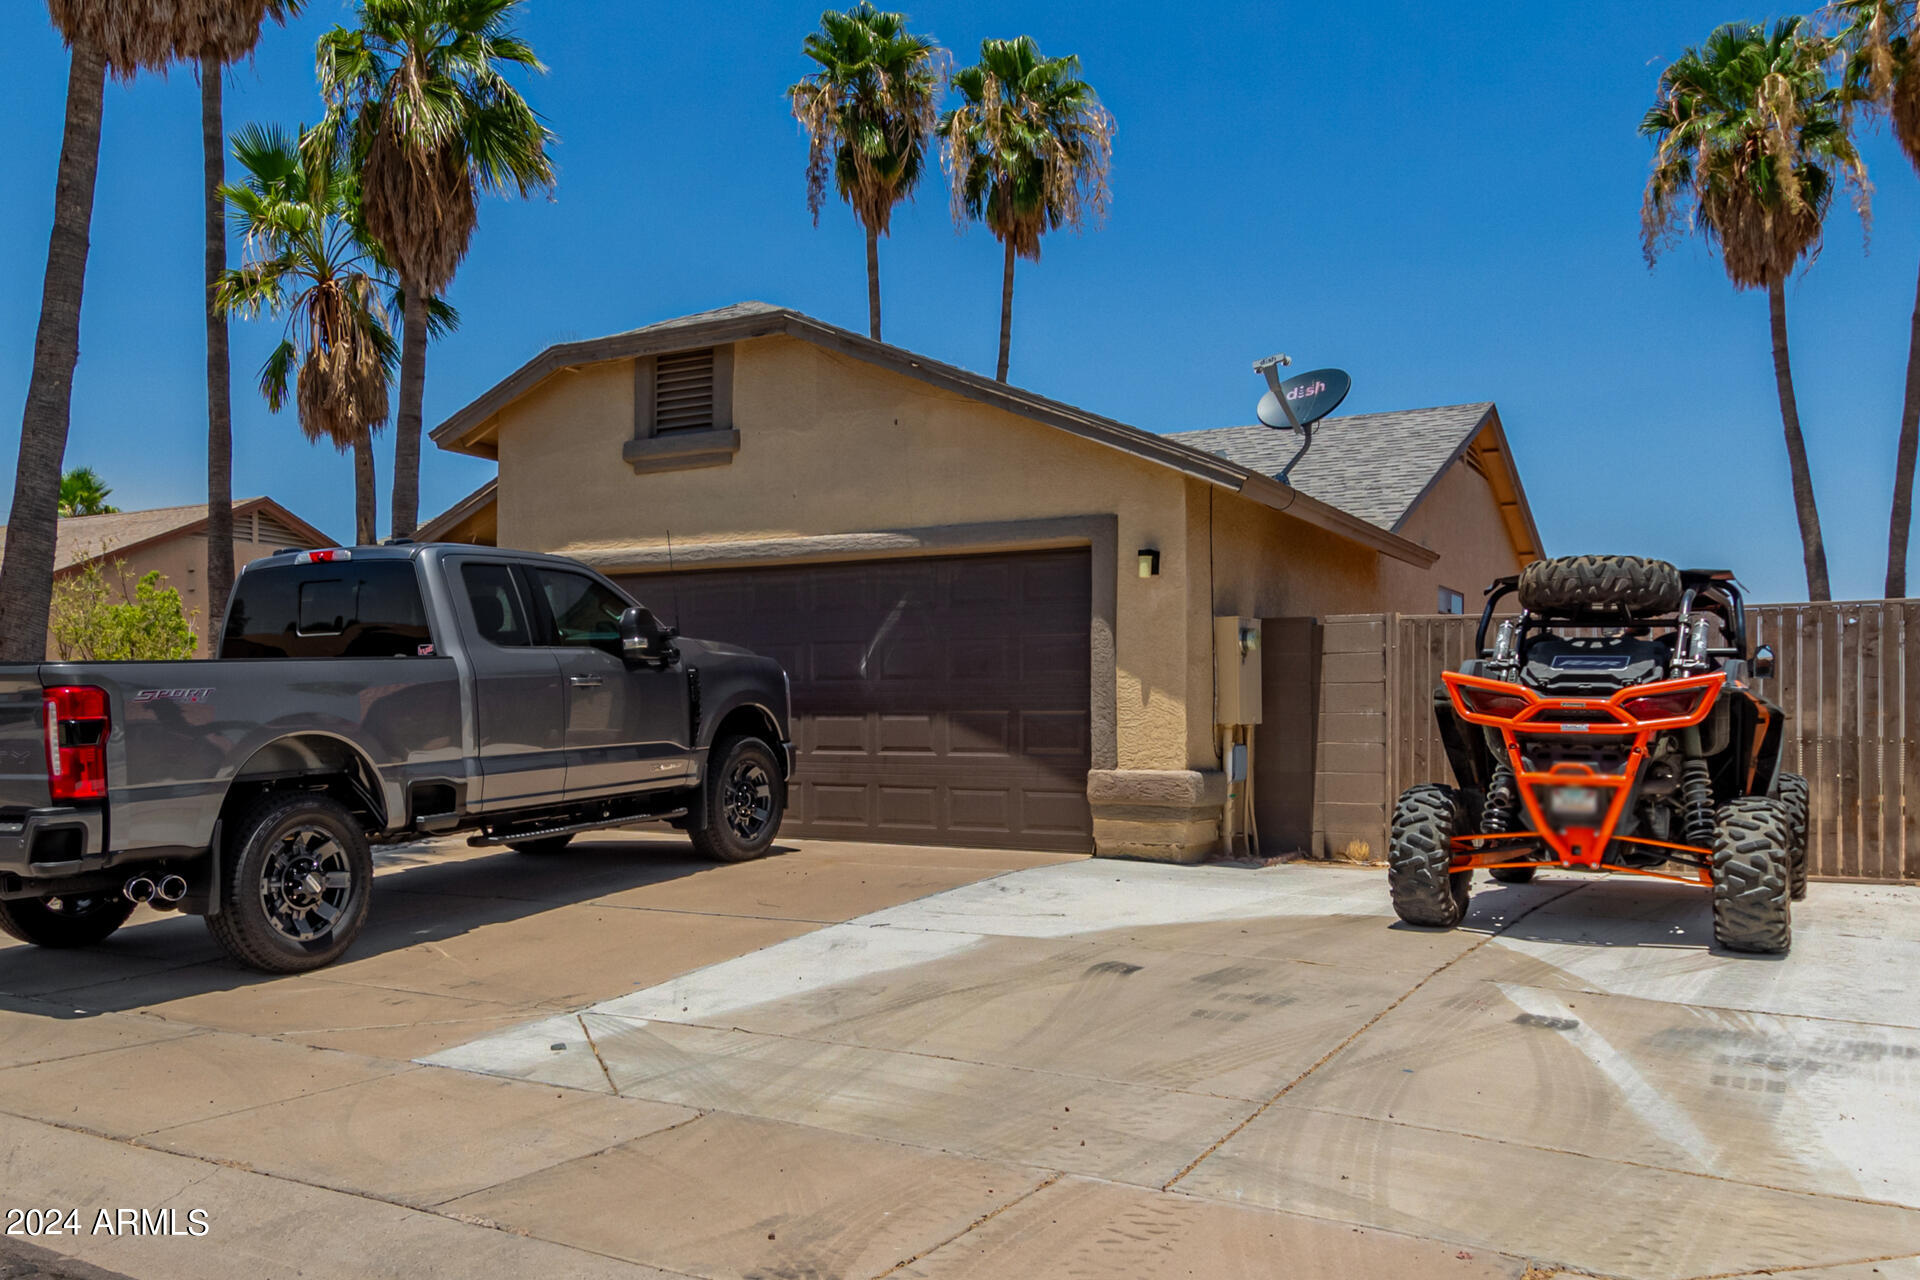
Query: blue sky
point(1441, 199)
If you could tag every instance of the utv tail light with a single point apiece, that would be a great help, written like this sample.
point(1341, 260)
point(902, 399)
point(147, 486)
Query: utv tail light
point(1676, 705)
point(1493, 702)
point(77, 725)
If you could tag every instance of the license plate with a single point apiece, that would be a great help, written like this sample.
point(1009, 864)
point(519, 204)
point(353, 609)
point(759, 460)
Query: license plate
point(1575, 802)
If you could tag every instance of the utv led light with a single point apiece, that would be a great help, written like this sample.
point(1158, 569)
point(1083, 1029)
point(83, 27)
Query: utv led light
point(1493, 702)
point(1676, 705)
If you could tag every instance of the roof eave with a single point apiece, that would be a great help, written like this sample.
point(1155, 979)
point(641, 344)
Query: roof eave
point(1271, 493)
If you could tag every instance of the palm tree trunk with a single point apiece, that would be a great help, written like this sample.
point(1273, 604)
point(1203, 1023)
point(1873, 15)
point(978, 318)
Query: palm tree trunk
point(26, 577)
point(1812, 547)
point(406, 425)
point(873, 283)
point(365, 497)
point(1902, 522)
point(1006, 313)
point(213, 152)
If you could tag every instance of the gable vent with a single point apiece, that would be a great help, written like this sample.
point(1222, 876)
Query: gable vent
point(683, 392)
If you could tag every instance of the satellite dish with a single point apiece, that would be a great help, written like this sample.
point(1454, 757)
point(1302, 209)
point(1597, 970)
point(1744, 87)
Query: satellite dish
point(1312, 395)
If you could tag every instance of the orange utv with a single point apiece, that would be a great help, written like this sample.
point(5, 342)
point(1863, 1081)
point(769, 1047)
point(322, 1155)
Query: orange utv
point(1611, 726)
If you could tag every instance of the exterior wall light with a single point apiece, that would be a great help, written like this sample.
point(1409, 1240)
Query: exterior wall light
point(1149, 562)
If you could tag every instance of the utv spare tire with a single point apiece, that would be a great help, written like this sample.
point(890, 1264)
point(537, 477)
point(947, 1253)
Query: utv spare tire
point(1625, 585)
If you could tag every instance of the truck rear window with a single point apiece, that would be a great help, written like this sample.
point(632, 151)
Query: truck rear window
point(353, 609)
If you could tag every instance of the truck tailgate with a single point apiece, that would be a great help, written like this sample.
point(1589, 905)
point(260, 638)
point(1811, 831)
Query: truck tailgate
point(23, 755)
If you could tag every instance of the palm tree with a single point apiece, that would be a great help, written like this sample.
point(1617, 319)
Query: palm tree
point(122, 37)
point(867, 113)
point(417, 97)
point(1750, 145)
point(84, 493)
point(305, 259)
point(1882, 43)
point(212, 34)
point(1028, 145)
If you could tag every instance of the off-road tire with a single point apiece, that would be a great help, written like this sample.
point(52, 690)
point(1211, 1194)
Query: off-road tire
point(1792, 791)
point(551, 844)
point(1425, 890)
point(1513, 875)
point(735, 767)
point(81, 920)
point(275, 826)
point(1628, 585)
point(1751, 861)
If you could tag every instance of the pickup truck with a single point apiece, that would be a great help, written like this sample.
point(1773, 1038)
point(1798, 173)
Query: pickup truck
point(366, 694)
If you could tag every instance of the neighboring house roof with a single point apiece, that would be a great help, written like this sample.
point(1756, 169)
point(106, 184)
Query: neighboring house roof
point(479, 500)
point(85, 538)
point(471, 429)
point(1380, 465)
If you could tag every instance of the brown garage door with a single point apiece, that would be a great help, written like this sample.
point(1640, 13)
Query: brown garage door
point(936, 701)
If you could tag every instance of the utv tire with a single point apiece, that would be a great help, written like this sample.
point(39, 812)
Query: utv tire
point(552, 844)
point(1792, 791)
point(1425, 890)
point(1629, 585)
point(737, 813)
point(296, 880)
point(1513, 875)
point(65, 920)
point(1751, 868)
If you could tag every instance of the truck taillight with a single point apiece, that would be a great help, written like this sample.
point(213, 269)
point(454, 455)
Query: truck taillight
point(76, 724)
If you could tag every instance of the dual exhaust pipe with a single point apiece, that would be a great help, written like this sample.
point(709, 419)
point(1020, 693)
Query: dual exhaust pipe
point(163, 892)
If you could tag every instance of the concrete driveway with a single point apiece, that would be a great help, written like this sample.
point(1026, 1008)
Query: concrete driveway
point(870, 1061)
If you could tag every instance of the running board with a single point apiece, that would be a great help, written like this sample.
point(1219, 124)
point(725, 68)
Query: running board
point(598, 824)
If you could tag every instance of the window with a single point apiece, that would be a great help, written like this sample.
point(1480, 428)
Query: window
point(498, 614)
point(358, 609)
point(585, 613)
point(1452, 601)
point(683, 411)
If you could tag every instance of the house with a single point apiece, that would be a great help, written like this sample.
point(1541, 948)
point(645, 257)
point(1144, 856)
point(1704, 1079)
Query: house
point(997, 609)
point(173, 540)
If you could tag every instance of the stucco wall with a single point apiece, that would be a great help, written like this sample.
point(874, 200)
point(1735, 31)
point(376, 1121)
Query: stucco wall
point(182, 564)
point(833, 445)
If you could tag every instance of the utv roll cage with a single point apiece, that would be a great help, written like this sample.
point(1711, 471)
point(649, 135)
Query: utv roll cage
point(1703, 591)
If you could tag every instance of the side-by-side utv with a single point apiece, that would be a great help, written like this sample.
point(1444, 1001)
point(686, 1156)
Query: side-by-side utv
point(1611, 726)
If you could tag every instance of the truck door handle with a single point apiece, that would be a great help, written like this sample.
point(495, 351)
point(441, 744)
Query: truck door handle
point(584, 682)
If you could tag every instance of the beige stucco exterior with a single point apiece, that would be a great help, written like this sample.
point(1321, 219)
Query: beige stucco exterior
point(837, 452)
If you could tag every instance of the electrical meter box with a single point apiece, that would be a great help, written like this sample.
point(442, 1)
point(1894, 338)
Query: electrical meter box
point(1236, 659)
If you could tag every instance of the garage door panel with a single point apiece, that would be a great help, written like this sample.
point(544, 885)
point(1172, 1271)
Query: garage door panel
point(938, 700)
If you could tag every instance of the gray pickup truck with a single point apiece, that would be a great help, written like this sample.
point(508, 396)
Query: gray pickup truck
point(371, 693)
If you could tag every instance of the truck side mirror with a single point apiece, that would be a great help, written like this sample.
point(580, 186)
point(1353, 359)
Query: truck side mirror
point(1763, 662)
point(643, 637)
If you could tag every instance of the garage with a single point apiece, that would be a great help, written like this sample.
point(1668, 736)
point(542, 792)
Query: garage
point(936, 700)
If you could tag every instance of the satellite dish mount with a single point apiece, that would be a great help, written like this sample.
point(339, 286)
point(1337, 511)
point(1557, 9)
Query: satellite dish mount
point(1298, 402)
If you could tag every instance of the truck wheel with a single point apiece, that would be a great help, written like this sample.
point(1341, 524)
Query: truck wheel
point(741, 806)
point(298, 878)
point(65, 920)
point(1579, 583)
point(552, 844)
point(1420, 857)
point(1751, 867)
point(1792, 791)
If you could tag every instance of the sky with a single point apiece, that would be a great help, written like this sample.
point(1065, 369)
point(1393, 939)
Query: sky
point(1441, 199)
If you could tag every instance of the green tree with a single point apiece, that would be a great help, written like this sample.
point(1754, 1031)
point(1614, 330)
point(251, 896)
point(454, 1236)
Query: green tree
point(867, 113)
point(1028, 145)
point(212, 34)
point(84, 493)
point(1750, 145)
point(122, 37)
point(305, 258)
point(417, 96)
point(1881, 39)
point(95, 617)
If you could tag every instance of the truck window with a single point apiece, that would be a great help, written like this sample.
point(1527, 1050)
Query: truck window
point(585, 613)
point(368, 609)
point(497, 612)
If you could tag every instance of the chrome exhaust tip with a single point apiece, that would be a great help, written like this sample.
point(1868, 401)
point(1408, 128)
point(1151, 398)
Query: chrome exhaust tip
point(139, 889)
point(170, 889)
